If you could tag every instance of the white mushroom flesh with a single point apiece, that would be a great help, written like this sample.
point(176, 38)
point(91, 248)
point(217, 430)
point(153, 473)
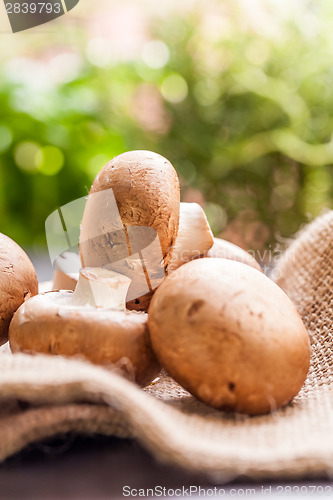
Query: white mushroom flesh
point(195, 236)
point(101, 288)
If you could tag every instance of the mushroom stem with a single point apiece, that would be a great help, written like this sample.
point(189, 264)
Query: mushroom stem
point(66, 272)
point(195, 236)
point(101, 288)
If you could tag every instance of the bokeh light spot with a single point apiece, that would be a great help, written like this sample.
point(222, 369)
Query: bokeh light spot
point(155, 54)
point(50, 160)
point(174, 88)
point(25, 155)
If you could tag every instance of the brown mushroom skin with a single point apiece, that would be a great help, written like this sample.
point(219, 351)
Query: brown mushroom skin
point(223, 249)
point(230, 336)
point(146, 189)
point(119, 340)
point(18, 282)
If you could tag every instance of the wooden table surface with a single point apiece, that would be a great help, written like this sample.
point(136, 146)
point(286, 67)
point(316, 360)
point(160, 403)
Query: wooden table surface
point(86, 468)
point(97, 468)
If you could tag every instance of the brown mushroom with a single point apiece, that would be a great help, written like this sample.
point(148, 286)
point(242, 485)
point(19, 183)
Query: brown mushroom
point(230, 336)
point(194, 239)
point(91, 323)
point(18, 282)
point(130, 222)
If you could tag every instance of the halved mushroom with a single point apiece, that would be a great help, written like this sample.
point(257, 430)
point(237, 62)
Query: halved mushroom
point(130, 222)
point(194, 237)
point(92, 323)
point(18, 282)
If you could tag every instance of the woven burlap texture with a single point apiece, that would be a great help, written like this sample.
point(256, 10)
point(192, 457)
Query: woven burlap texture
point(63, 395)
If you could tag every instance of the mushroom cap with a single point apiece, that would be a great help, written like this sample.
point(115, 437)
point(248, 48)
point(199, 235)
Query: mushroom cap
point(18, 282)
point(230, 336)
point(223, 249)
point(140, 209)
point(49, 324)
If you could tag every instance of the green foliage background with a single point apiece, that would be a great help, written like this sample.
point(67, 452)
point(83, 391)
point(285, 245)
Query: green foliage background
point(245, 116)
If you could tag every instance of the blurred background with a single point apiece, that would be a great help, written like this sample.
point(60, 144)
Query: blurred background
point(237, 94)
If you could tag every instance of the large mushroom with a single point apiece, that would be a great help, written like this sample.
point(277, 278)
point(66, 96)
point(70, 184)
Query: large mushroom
point(18, 282)
point(131, 221)
point(230, 336)
point(91, 323)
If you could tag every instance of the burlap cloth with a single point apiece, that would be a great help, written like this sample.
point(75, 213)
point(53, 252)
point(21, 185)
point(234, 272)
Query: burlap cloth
point(42, 396)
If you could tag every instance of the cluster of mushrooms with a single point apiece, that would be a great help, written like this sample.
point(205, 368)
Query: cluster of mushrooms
point(157, 289)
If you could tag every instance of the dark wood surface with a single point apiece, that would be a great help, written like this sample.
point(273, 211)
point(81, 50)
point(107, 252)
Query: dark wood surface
point(97, 468)
point(86, 468)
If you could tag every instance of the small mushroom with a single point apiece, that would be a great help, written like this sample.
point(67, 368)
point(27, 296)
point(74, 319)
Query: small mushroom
point(18, 282)
point(130, 222)
point(194, 237)
point(230, 336)
point(223, 249)
point(91, 322)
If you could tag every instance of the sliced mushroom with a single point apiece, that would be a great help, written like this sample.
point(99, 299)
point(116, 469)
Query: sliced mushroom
point(18, 282)
point(195, 240)
point(91, 322)
point(131, 221)
point(194, 237)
